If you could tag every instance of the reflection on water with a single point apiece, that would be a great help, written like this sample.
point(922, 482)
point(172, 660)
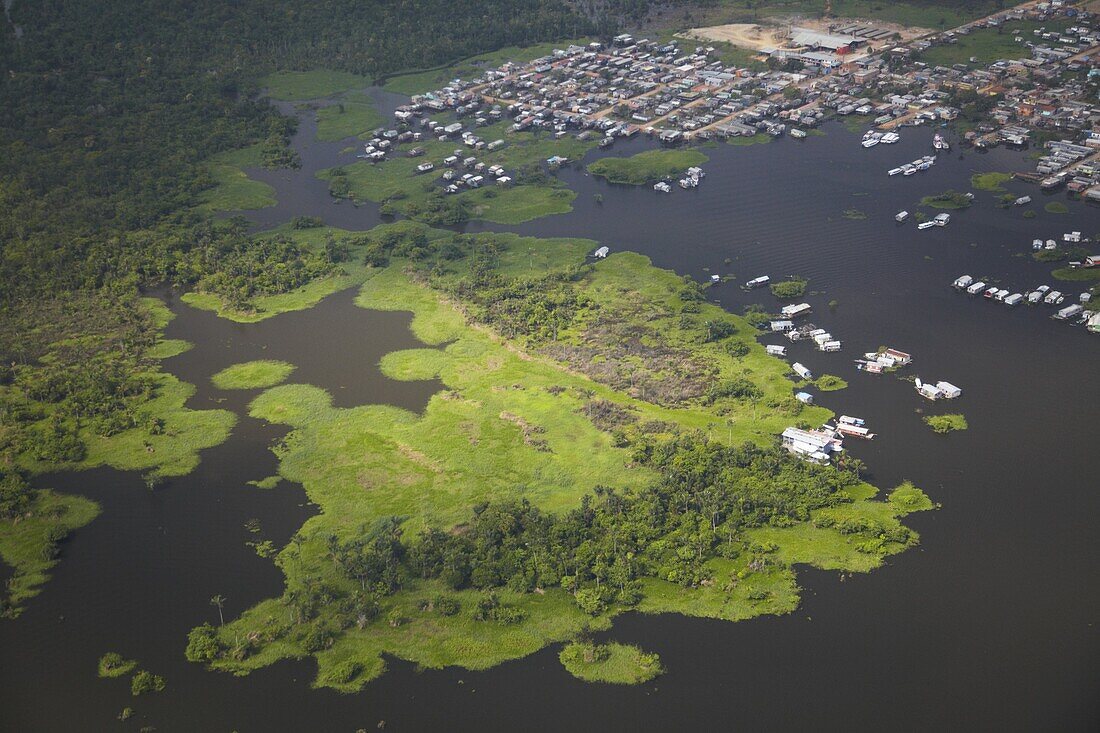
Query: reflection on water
point(987, 625)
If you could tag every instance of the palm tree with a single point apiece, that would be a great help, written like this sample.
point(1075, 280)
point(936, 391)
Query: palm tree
point(219, 601)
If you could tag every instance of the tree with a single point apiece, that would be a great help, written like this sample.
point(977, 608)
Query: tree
point(219, 602)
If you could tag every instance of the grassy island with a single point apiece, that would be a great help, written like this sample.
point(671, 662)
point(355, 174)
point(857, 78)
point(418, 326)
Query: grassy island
point(618, 664)
point(990, 181)
point(647, 167)
point(794, 287)
point(577, 399)
point(950, 199)
point(946, 423)
point(258, 374)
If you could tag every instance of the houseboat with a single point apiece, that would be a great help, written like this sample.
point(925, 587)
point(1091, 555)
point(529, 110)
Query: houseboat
point(802, 371)
point(758, 282)
point(963, 282)
point(901, 216)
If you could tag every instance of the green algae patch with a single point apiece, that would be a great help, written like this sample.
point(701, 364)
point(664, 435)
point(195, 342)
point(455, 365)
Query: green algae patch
point(269, 482)
point(647, 167)
point(1056, 207)
point(619, 664)
point(258, 374)
point(990, 181)
point(167, 348)
point(113, 664)
point(908, 498)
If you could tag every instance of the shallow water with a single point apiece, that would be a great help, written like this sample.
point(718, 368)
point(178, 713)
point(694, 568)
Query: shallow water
point(988, 624)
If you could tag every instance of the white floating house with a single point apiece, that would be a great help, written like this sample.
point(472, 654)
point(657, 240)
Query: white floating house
point(601, 253)
point(794, 311)
point(776, 350)
point(758, 282)
point(949, 390)
point(781, 326)
point(802, 371)
point(813, 445)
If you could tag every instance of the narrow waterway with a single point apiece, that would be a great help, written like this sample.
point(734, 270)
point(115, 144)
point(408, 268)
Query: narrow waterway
point(988, 625)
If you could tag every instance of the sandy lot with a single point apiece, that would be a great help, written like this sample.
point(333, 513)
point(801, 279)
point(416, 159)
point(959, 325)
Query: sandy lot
point(745, 35)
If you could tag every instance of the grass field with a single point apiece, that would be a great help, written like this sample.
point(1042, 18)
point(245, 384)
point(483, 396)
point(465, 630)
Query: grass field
point(509, 423)
point(300, 85)
point(234, 190)
point(946, 423)
point(259, 374)
point(354, 114)
point(990, 181)
point(1077, 274)
point(987, 45)
point(22, 542)
point(647, 167)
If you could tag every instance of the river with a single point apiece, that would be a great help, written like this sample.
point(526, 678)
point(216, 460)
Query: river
point(988, 625)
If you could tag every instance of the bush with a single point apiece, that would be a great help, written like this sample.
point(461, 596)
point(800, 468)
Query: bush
point(113, 664)
point(793, 288)
point(145, 681)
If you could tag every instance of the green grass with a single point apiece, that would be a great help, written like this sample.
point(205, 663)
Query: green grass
point(233, 189)
point(946, 423)
point(757, 139)
point(908, 498)
point(1056, 207)
point(854, 214)
point(471, 444)
point(517, 204)
point(300, 85)
point(258, 374)
point(112, 665)
point(830, 383)
point(990, 181)
point(167, 348)
point(619, 664)
point(947, 200)
point(269, 482)
point(23, 541)
point(397, 182)
point(647, 167)
point(989, 44)
point(421, 81)
point(1077, 274)
point(352, 115)
point(794, 287)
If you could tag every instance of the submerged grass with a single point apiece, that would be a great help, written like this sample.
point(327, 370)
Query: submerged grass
point(946, 423)
point(647, 167)
point(300, 85)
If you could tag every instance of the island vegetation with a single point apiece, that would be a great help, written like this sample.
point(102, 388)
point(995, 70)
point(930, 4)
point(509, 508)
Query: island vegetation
point(647, 167)
point(950, 199)
point(113, 664)
point(253, 375)
point(991, 181)
point(604, 441)
point(619, 664)
point(946, 423)
point(793, 287)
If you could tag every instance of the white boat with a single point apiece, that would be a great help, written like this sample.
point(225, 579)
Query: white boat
point(776, 350)
point(941, 220)
point(869, 367)
point(1014, 299)
point(797, 134)
point(926, 225)
point(1051, 244)
point(802, 371)
point(975, 288)
point(854, 431)
point(1054, 297)
point(901, 216)
point(1034, 296)
point(1069, 312)
point(908, 169)
point(1000, 295)
point(758, 282)
point(990, 291)
point(890, 138)
point(1036, 244)
point(939, 143)
point(662, 187)
point(870, 142)
point(964, 281)
point(893, 171)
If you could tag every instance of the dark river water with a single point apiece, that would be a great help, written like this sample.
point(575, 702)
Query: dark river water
point(988, 625)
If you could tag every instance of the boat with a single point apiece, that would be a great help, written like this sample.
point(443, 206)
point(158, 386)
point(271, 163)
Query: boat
point(890, 138)
point(758, 282)
point(941, 220)
point(1034, 296)
point(1070, 311)
point(893, 171)
point(963, 282)
point(869, 367)
point(975, 288)
point(870, 142)
point(908, 169)
point(939, 143)
point(1054, 297)
point(802, 371)
point(776, 350)
point(854, 431)
point(990, 291)
point(662, 187)
point(901, 216)
point(926, 225)
point(797, 134)
point(1000, 295)
point(1014, 299)
point(1051, 244)
point(847, 420)
point(1036, 244)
